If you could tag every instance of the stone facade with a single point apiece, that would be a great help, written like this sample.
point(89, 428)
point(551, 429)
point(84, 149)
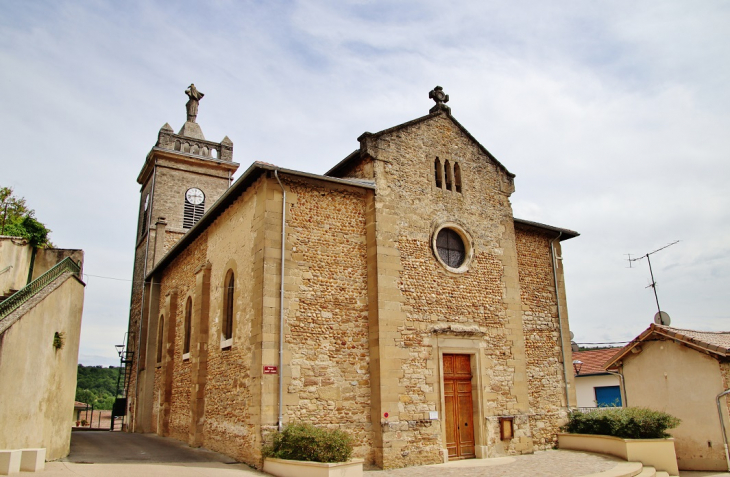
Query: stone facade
point(371, 308)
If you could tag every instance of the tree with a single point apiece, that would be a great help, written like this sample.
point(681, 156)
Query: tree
point(19, 221)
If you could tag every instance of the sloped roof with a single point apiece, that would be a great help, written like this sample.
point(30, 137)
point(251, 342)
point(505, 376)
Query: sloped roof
point(356, 154)
point(565, 234)
point(231, 194)
point(714, 343)
point(593, 360)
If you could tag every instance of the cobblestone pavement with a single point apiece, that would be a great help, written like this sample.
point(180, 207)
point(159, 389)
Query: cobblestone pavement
point(552, 463)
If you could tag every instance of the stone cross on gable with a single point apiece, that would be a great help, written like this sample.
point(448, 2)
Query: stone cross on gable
point(438, 95)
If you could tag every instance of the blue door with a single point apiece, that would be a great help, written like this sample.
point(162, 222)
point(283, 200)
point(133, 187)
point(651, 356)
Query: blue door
point(608, 396)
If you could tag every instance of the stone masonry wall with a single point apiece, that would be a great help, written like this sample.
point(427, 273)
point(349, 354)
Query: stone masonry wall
point(425, 302)
point(327, 321)
point(171, 185)
point(233, 389)
point(180, 276)
point(542, 337)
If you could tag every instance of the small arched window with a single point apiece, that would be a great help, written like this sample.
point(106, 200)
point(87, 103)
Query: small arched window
point(160, 338)
point(449, 176)
point(457, 177)
point(230, 284)
point(187, 324)
point(439, 172)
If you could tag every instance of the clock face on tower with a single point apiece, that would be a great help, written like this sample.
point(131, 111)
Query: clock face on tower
point(195, 196)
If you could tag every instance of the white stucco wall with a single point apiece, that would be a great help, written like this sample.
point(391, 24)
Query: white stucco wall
point(584, 387)
point(39, 381)
point(15, 253)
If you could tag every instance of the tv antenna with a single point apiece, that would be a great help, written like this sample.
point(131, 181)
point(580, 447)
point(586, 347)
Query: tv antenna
point(661, 318)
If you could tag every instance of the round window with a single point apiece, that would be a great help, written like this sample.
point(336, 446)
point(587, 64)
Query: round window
point(451, 248)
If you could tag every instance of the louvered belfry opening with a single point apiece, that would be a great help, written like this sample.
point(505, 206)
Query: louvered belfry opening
point(192, 213)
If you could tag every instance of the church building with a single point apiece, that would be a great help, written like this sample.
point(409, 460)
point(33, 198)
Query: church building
point(395, 297)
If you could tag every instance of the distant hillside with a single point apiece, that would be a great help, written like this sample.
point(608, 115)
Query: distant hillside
point(96, 386)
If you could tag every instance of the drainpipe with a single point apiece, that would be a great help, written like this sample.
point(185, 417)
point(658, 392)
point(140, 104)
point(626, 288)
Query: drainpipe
point(560, 318)
point(722, 425)
point(141, 304)
point(281, 303)
point(623, 386)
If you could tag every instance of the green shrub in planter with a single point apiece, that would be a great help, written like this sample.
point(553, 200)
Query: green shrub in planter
point(623, 422)
point(309, 443)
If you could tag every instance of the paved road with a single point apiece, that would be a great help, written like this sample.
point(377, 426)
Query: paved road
point(117, 454)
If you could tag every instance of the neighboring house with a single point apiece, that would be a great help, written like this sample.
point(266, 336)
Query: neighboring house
point(594, 386)
point(40, 325)
point(681, 372)
point(79, 408)
point(417, 313)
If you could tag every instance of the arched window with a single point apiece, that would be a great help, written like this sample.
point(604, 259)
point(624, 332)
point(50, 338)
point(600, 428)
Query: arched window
point(145, 215)
point(457, 177)
point(449, 176)
point(439, 171)
point(230, 284)
point(187, 324)
point(160, 338)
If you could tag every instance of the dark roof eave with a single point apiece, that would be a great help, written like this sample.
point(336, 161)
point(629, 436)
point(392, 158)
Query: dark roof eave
point(565, 234)
point(251, 174)
point(343, 162)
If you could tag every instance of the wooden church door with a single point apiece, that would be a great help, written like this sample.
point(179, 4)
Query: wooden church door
point(458, 401)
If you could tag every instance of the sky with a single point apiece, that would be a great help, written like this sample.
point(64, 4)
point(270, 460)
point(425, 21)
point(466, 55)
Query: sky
point(613, 115)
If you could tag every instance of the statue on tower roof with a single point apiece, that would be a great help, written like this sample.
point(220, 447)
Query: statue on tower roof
point(192, 104)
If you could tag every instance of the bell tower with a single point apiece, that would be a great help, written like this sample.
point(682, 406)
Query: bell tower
point(183, 175)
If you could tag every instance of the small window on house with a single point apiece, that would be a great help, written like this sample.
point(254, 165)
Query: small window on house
point(439, 172)
point(194, 207)
point(187, 324)
point(457, 177)
point(449, 176)
point(230, 283)
point(160, 338)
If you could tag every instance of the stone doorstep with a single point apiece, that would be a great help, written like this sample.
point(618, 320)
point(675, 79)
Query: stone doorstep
point(627, 469)
point(631, 469)
point(33, 460)
point(26, 460)
point(9, 461)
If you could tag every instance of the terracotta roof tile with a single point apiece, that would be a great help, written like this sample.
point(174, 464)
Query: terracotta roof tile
point(593, 360)
point(717, 341)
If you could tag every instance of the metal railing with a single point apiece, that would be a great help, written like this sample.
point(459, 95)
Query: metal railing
point(596, 409)
point(14, 301)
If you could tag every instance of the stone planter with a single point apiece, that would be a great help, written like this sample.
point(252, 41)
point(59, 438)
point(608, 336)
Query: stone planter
point(657, 453)
point(300, 468)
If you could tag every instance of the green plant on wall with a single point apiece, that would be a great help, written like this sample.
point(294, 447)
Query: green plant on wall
point(58, 339)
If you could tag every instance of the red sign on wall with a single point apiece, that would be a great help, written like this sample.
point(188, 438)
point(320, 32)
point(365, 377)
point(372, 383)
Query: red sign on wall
point(270, 370)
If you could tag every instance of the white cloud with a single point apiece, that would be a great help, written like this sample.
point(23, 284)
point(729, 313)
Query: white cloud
point(613, 115)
